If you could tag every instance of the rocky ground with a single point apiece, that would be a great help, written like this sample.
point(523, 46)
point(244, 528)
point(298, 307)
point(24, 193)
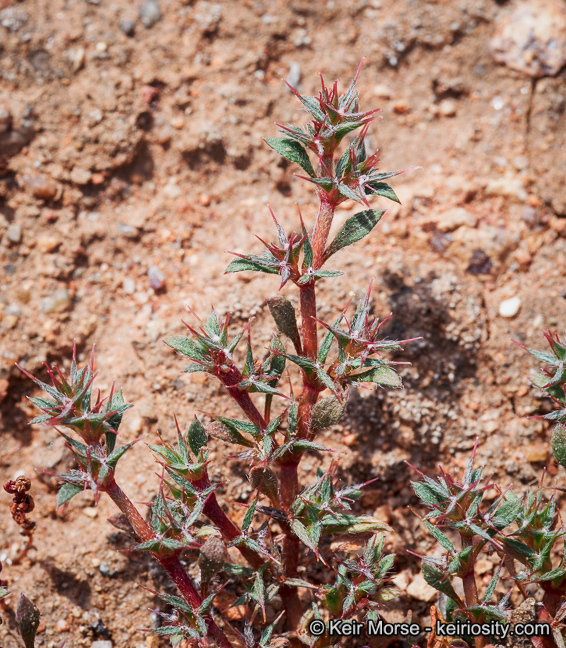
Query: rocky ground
point(131, 158)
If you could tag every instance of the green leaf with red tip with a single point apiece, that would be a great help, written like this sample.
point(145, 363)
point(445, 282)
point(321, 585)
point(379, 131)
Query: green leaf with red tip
point(291, 150)
point(381, 189)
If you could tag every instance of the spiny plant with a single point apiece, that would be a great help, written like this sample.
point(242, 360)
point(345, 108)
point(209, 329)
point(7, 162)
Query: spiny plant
point(284, 532)
point(526, 533)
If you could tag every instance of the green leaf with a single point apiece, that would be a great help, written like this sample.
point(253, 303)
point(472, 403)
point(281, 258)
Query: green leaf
point(382, 189)
point(67, 492)
point(381, 376)
point(117, 454)
point(342, 522)
point(234, 434)
point(299, 582)
point(306, 364)
point(249, 516)
point(185, 347)
point(313, 107)
point(292, 151)
point(436, 578)
point(255, 264)
point(353, 230)
point(559, 444)
point(197, 436)
point(302, 533)
point(440, 537)
point(284, 315)
point(346, 192)
point(507, 513)
point(430, 493)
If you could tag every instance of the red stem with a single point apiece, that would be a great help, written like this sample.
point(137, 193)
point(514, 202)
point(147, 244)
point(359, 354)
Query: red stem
point(289, 481)
point(170, 563)
point(470, 588)
point(322, 229)
point(228, 529)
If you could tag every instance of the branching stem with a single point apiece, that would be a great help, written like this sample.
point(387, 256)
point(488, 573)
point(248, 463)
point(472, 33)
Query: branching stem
point(170, 563)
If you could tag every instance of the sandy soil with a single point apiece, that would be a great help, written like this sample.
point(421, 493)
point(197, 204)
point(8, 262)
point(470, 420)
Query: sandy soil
point(126, 156)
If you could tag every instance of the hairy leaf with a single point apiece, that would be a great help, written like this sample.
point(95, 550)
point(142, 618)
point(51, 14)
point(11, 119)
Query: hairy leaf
point(353, 230)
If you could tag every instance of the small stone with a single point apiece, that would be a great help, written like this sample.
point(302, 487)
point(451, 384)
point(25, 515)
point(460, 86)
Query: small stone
point(510, 307)
point(204, 200)
point(80, 176)
point(90, 512)
point(62, 626)
point(401, 107)
point(421, 590)
point(447, 108)
point(41, 187)
point(14, 233)
point(349, 440)
point(536, 452)
point(127, 230)
point(47, 243)
point(59, 301)
point(172, 190)
point(483, 566)
point(101, 643)
point(156, 278)
point(13, 309)
point(150, 13)
point(163, 134)
point(508, 185)
point(129, 286)
point(178, 122)
point(455, 218)
point(382, 91)
point(104, 569)
point(5, 119)
point(294, 75)
point(127, 27)
point(77, 56)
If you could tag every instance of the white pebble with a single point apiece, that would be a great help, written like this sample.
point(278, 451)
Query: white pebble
point(510, 307)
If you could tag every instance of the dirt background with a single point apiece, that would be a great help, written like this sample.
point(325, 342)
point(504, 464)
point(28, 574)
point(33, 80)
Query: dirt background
point(131, 158)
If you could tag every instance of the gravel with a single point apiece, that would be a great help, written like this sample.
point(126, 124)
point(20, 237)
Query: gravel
point(510, 307)
point(127, 26)
point(150, 13)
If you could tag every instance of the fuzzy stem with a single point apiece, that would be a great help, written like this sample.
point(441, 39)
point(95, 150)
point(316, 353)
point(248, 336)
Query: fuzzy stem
point(289, 487)
point(289, 481)
point(471, 588)
point(230, 379)
point(308, 320)
point(228, 529)
point(322, 229)
point(171, 564)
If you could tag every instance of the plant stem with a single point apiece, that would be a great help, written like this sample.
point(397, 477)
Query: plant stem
point(471, 588)
point(308, 320)
point(228, 529)
point(230, 380)
point(171, 563)
point(289, 486)
point(322, 229)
